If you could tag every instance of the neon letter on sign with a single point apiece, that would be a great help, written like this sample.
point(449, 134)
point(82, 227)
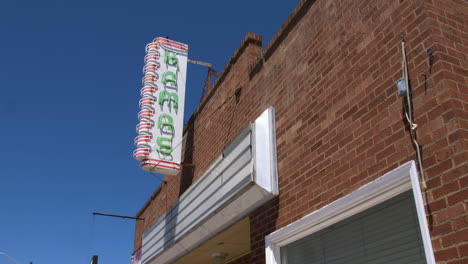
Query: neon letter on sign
point(162, 107)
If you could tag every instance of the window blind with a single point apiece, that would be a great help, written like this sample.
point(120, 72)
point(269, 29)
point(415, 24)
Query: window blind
point(386, 233)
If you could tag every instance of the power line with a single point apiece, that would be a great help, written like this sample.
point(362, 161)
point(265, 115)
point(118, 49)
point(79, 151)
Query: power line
point(120, 216)
point(14, 261)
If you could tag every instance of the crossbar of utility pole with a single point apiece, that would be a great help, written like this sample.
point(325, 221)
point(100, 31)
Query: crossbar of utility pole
point(120, 216)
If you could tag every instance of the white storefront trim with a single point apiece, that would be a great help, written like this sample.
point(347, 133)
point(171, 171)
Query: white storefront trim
point(389, 185)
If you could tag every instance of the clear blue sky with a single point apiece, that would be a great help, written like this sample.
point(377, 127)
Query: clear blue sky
point(70, 76)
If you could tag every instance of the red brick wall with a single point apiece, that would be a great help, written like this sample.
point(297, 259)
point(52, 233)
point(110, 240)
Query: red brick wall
point(330, 73)
point(446, 137)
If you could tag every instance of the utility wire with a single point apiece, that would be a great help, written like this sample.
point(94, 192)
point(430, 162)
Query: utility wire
point(119, 216)
point(14, 261)
point(409, 115)
point(157, 176)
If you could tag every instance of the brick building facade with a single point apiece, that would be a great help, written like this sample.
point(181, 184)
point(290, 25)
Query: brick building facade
point(330, 73)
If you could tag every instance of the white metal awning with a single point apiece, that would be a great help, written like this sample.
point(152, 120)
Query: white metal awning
point(240, 180)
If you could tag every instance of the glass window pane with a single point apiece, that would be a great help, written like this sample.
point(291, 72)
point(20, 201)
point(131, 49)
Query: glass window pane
point(386, 233)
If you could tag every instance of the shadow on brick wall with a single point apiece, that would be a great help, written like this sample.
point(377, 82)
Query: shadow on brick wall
point(187, 173)
point(262, 223)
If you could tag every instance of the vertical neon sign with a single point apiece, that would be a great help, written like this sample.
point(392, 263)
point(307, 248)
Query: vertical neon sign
point(159, 139)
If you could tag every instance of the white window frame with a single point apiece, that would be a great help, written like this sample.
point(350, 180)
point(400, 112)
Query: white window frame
point(387, 186)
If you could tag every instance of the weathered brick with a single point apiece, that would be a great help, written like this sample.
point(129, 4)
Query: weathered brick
point(450, 212)
point(455, 238)
point(447, 254)
point(457, 197)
